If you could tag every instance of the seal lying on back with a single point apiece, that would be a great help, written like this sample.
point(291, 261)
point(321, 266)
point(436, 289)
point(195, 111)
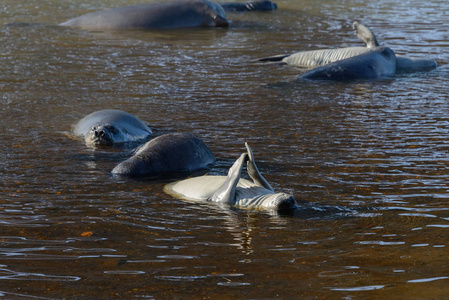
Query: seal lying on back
point(165, 15)
point(234, 190)
point(314, 58)
point(377, 63)
point(168, 153)
point(111, 126)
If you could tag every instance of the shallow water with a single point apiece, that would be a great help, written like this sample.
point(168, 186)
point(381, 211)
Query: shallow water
point(369, 161)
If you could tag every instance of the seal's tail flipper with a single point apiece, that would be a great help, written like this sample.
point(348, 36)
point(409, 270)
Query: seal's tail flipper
point(253, 171)
point(226, 192)
point(366, 35)
point(273, 59)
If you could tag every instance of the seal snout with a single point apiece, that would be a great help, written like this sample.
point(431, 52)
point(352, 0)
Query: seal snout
point(284, 202)
point(101, 135)
point(99, 132)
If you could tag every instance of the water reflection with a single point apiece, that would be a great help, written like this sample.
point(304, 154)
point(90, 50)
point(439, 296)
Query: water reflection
point(368, 160)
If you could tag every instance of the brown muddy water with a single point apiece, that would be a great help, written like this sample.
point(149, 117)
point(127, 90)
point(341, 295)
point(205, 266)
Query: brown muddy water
point(369, 161)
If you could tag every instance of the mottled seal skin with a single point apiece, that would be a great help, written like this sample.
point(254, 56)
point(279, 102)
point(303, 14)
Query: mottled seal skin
point(262, 5)
point(110, 126)
point(165, 15)
point(234, 190)
point(377, 63)
point(168, 153)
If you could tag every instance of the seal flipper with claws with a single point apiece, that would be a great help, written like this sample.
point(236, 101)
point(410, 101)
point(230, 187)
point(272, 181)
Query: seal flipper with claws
point(253, 171)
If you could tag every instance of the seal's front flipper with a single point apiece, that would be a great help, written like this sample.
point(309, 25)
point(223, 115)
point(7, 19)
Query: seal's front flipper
point(253, 171)
point(226, 192)
point(366, 35)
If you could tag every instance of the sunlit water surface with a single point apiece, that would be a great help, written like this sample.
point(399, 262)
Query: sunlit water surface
point(369, 161)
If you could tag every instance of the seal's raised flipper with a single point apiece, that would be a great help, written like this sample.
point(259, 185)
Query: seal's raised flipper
point(253, 171)
point(366, 35)
point(226, 192)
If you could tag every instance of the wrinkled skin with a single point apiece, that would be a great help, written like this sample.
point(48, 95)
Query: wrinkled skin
point(375, 64)
point(316, 58)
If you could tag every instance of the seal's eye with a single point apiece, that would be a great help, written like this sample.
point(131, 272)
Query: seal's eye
point(112, 129)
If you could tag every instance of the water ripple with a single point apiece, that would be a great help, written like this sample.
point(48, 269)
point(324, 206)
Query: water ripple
point(6, 274)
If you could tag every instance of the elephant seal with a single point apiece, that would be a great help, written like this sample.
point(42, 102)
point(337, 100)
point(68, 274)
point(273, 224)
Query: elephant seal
point(261, 5)
point(110, 126)
point(374, 64)
point(234, 190)
point(165, 15)
point(168, 153)
point(315, 58)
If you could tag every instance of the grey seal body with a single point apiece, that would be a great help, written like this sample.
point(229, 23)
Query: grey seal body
point(110, 126)
point(316, 58)
point(165, 15)
point(377, 63)
point(234, 190)
point(168, 153)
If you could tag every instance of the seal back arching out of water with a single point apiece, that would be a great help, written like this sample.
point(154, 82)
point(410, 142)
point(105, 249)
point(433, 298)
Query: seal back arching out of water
point(234, 190)
point(168, 153)
point(164, 15)
point(111, 126)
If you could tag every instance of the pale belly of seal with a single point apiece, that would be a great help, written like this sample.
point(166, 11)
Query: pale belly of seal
point(314, 58)
point(247, 193)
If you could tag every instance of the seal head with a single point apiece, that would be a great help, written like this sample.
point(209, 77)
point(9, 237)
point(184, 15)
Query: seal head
point(104, 135)
point(110, 126)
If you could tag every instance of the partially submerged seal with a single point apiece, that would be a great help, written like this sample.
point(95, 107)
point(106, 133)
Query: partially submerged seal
point(316, 58)
point(164, 15)
point(110, 126)
point(377, 63)
point(168, 153)
point(234, 190)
